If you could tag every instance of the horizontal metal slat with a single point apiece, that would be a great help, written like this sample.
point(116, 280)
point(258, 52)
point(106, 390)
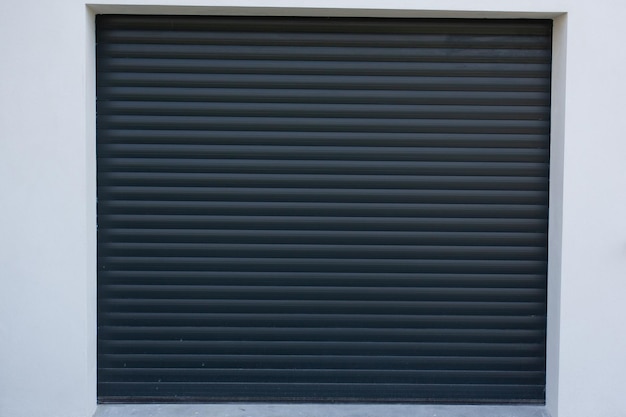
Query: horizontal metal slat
point(395, 111)
point(292, 278)
point(156, 198)
point(417, 34)
point(363, 153)
point(339, 82)
point(439, 320)
point(299, 124)
point(388, 251)
point(266, 291)
point(328, 348)
point(486, 53)
point(147, 263)
point(325, 375)
point(342, 25)
point(194, 201)
point(324, 96)
point(331, 167)
point(323, 392)
point(254, 208)
point(286, 306)
point(338, 292)
point(322, 236)
point(325, 222)
point(407, 48)
point(441, 183)
point(320, 333)
point(235, 66)
point(347, 362)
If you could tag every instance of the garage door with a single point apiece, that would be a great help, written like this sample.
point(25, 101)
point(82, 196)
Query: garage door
point(322, 209)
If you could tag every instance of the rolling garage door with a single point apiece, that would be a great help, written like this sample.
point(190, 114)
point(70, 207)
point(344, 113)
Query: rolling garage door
point(322, 209)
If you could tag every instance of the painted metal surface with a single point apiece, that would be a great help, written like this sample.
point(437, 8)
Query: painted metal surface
point(322, 209)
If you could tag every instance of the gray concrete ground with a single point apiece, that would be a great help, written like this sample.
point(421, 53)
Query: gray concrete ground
point(317, 410)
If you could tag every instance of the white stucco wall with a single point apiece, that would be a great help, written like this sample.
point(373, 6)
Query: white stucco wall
point(47, 193)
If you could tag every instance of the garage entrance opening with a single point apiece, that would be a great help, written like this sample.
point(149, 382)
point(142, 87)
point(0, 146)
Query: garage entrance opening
point(322, 209)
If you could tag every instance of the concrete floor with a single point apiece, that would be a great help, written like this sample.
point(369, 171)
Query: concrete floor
point(317, 410)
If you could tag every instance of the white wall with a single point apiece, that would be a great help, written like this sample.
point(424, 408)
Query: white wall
point(46, 214)
point(47, 194)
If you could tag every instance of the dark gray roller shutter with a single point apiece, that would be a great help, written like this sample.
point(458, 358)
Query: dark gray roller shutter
point(322, 209)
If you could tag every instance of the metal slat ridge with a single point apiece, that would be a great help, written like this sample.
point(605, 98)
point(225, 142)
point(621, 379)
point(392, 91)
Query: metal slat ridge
point(322, 209)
